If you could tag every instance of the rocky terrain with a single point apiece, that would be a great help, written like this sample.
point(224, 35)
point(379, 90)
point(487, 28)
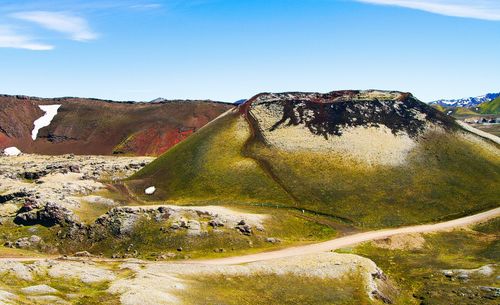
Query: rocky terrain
point(97, 127)
point(138, 282)
point(44, 179)
point(68, 204)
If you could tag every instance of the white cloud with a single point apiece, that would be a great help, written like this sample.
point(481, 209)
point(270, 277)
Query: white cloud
point(11, 39)
point(477, 9)
point(76, 27)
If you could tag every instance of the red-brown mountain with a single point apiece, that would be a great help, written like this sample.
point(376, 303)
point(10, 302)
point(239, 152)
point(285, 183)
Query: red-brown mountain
point(92, 126)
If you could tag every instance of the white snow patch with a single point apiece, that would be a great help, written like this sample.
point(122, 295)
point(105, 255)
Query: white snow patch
point(150, 190)
point(44, 121)
point(11, 151)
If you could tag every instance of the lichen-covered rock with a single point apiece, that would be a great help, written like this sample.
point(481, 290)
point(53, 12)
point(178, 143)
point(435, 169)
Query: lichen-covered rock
point(7, 297)
point(39, 289)
point(118, 221)
point(194, 228)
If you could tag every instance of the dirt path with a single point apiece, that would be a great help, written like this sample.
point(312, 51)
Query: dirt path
point(351, 240)
point(478, 132)
point(326, 246)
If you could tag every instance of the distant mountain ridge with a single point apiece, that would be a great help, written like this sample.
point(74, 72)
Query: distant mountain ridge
point(91, 126)
point(468, 102)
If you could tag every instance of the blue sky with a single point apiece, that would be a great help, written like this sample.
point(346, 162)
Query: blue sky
point(232, 49)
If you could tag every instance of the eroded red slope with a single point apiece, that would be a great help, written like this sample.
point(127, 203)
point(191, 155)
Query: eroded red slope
point(89, 126)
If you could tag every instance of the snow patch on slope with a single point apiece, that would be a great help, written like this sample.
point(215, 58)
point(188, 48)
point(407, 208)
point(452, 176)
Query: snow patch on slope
point(44, 121)
point(11, 151)
point(150, 190)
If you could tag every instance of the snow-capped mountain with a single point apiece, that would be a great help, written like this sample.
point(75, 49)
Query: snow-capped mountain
point(467, 102)
point(158, 100)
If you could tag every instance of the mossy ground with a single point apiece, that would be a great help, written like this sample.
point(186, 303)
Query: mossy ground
point(418, 273)
point(10, 232)
point(267, 289)
point(88, 212)
point(69, 289)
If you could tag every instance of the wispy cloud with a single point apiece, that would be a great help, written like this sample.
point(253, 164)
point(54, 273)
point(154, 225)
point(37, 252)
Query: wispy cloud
point(10, 39)
point(62, 16)
point(477, 9)
point(76, 27)
point(81, 5)
point(146, 6)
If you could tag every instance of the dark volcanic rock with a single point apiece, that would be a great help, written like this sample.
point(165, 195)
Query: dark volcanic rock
point(52, 214)
point(30, 204)
point(9, 197)
point(34, 175)
point(327, 114)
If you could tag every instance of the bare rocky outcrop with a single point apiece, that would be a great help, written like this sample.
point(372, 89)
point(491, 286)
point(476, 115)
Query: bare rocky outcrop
point(375, 127)
point(465, 274)
point(194, 220)
point(39, 289)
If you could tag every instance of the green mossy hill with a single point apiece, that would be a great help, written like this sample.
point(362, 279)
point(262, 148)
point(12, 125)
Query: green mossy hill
point(444, 178)
point(492, 107)
point(461, 111)
point(210, 167)
point(438, 107)
point(447, 174)
point(455, 111)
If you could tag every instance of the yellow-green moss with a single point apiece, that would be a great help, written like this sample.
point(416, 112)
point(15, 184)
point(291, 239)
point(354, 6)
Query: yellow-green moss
point(418, 273)
point(70, 289)
point(267, 289)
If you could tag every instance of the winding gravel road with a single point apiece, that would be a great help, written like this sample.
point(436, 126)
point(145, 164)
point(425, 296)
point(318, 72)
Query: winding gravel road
point(350, 240)
point(326, 246)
